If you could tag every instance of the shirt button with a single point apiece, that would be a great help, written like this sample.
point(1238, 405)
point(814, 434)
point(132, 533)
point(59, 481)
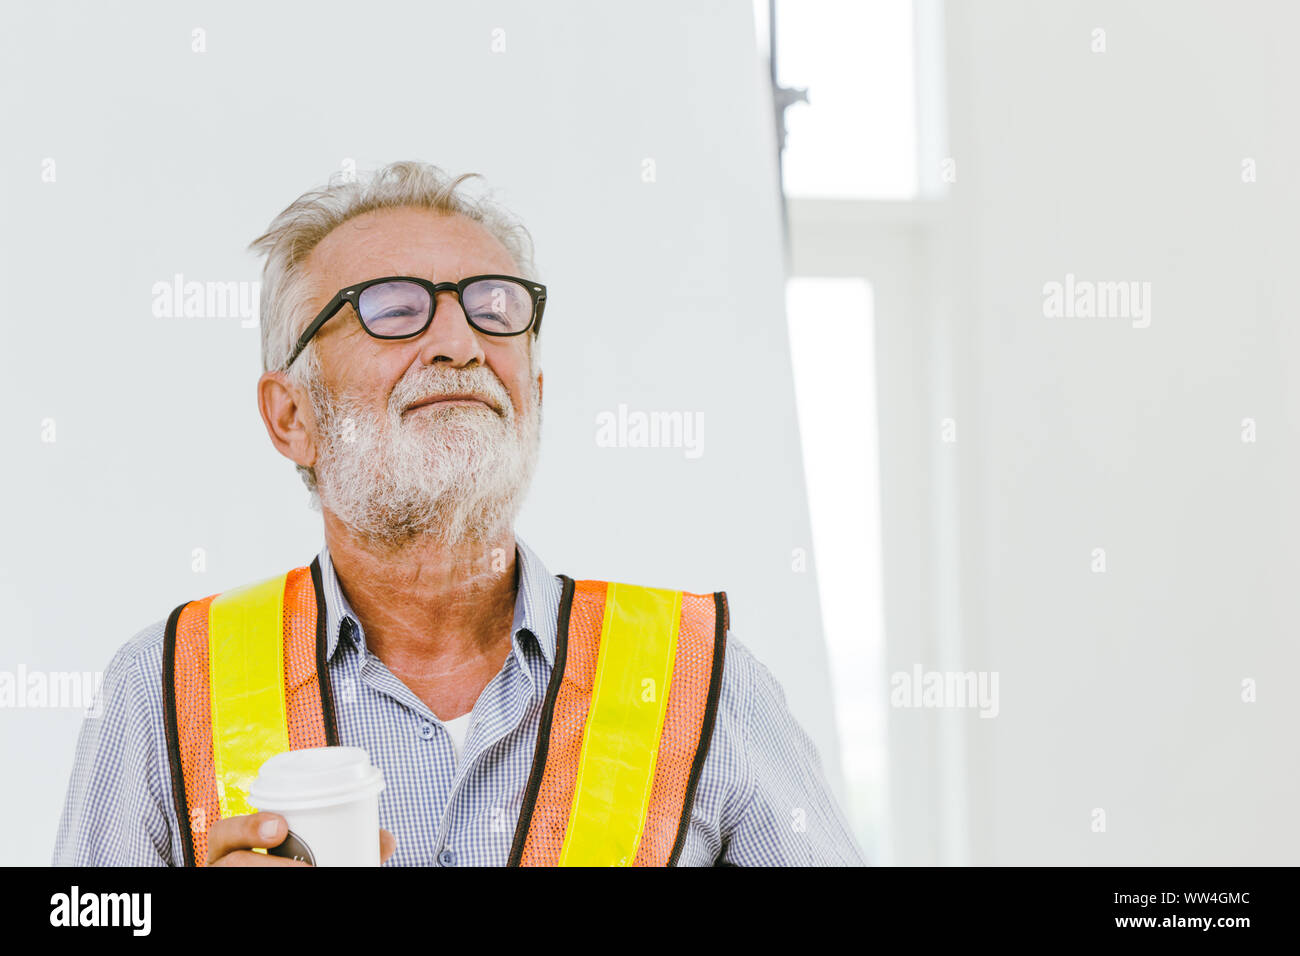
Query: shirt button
point(426, 730)
point(447, 858)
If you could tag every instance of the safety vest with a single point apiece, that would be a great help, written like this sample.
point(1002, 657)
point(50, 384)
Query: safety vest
point(624, 731)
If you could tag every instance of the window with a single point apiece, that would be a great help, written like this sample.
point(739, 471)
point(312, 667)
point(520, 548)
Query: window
point(862, 167)
point(837, 428)
point(856, 136)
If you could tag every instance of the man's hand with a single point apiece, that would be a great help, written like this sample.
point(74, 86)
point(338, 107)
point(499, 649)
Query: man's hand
point(231, 841)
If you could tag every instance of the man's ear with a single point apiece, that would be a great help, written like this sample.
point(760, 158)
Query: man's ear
point(287, 414)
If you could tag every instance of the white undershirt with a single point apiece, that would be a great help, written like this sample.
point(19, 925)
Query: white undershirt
point(458, 727)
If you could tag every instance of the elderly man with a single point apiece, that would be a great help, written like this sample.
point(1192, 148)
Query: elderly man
point(519, 717)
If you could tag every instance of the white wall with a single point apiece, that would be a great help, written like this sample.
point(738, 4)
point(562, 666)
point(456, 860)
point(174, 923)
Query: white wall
point(664, 296)
point(1122, 690)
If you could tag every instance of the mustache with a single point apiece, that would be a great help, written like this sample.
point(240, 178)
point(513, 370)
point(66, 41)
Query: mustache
point(480, 383)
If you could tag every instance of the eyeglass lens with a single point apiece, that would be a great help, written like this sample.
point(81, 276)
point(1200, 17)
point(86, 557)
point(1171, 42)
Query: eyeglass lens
point(399, 307)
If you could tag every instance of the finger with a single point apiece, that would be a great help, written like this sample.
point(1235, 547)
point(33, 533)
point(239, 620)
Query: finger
point(243, 832)
point(249, 858)
point(387, 845)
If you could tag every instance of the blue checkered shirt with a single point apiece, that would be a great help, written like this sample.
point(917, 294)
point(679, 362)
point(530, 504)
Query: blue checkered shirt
point(762, 798)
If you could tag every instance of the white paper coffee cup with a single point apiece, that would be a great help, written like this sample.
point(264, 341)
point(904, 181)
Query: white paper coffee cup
point(330, 798)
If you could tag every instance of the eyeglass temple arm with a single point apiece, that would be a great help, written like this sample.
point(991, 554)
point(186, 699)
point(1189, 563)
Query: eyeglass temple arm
point(541, 308)
point(326, 314)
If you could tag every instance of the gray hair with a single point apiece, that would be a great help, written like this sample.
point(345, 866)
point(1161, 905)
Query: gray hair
point(296, 231)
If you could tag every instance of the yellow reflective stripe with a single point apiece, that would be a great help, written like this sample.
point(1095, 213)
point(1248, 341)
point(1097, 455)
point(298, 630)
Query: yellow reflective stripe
point(629, 700)
point(246, 680)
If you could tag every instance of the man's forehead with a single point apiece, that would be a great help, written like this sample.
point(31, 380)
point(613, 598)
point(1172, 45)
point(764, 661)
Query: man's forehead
point(405, 241)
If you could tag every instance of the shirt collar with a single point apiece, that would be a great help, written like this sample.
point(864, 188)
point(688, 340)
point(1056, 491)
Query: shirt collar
point(537, 605)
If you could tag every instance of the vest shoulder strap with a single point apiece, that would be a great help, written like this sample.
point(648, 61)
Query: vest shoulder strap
point(242, 681)
point(626, 726)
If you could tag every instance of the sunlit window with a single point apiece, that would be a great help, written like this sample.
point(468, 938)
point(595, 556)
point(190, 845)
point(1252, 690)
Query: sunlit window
point(856, 137)
point(831, 346)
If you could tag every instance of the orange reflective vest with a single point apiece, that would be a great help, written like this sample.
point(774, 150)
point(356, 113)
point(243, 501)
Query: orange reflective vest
point(624, 731)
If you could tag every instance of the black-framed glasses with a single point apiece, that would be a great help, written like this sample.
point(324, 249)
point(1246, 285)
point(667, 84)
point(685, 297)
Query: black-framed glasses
point(401, 307)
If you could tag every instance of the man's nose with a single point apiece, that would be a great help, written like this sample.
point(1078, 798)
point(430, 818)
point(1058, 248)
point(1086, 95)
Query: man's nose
point(449, 337)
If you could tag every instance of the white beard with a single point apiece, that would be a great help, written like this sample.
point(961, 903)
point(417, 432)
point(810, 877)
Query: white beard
point(457, 473)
